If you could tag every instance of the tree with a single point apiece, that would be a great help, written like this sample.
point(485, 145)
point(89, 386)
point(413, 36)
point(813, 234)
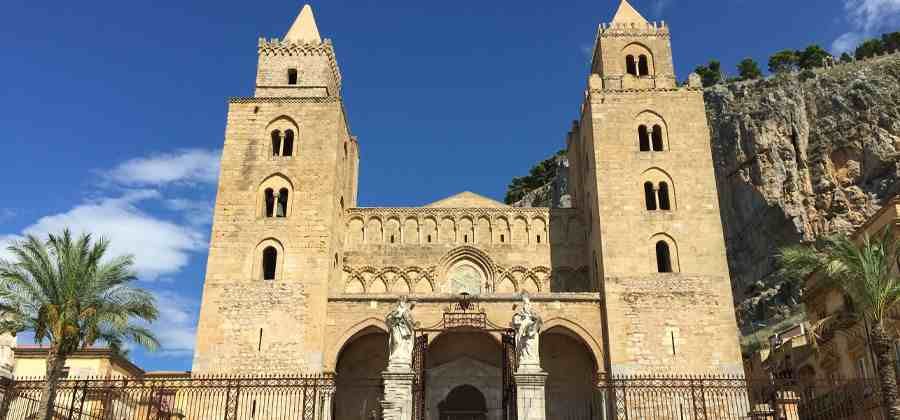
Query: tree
point(866, 273)
point(891, 42)
point(711, 73)
point(66, 291)
point(869, 49)
point(748, 69)
point(846, 58)
point(784, 61)
point(812, 57)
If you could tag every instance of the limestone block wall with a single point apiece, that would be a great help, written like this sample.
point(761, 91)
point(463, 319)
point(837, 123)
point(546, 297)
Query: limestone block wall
point(412, 250)
point(615, 41)
point(671, 323)
point(318, 74)
point(242, 317)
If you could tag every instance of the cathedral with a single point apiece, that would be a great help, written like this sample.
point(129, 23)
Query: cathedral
point(631, 280)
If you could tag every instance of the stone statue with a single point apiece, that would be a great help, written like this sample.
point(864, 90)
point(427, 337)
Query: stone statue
point(527, 325)
point(402, 334)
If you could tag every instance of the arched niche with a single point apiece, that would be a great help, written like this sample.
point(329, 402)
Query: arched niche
point(281, 138)
point(654, 247)
point(462, 267)
point(256, 268)
point(275, 197)
point(358, 369)
point(641, 67)
point(572, 369)
point(651, 132)
point(657, 188)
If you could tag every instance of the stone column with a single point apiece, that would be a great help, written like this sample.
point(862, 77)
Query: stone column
point(397, 403)
point(530, 388)
point(327, 398)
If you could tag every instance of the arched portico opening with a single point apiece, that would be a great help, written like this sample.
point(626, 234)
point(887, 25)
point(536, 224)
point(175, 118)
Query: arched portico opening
point(571, 391)
point(358, 382)
point(460, 365)
point(464, 402)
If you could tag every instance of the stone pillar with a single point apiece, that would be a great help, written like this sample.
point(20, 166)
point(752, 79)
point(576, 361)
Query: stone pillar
point(327, 408)
point(530, 395)
point(397, 402)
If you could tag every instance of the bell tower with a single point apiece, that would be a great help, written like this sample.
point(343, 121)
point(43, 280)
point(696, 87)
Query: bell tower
point(289, 169)
point(644, 179)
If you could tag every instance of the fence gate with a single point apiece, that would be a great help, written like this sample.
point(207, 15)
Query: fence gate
point(420, 350)
point(509, 385)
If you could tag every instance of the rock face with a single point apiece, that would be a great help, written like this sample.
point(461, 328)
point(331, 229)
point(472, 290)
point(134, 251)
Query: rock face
point(797, 157)
point(554, 194)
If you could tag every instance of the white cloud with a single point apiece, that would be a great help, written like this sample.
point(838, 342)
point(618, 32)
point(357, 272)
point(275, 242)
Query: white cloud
point(159, 246)
point(176, 327)
point(187, 166)
point(867, 18)
point(196, 212)
point(659, 6)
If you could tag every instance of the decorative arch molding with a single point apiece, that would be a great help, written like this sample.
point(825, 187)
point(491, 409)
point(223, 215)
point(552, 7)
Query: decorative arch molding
point(575, 330)
point(467, 253)
point(277, 140)
point(278, 183)
point(657, 129)
point(354, 332)
point(392, 277)
point(636, 50)
point(254, 265)
point(673, 251)
point(663, 187)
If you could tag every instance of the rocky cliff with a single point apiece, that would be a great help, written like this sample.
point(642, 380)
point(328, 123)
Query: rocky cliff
point(797, 156)
point(800, 156)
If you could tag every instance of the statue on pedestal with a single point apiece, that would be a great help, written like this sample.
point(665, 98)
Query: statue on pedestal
point(401, 327)
point(527, 325)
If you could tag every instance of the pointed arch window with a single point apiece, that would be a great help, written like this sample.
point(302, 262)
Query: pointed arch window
point(630, 65)
point(644, 138)
point(269, 202)
point(276, 143)
point(282, 205)
point(663, 257)
point(288, 147)
point(643, 65)
point(269, 262)
point(663, 192)
point(649, 196)
point(657, 138)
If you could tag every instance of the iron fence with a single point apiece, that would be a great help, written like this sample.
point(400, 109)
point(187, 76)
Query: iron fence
point(196, 398)
point(312, 397)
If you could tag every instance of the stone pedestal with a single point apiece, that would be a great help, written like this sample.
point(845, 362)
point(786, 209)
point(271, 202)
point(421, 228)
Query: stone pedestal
point(530, 400)
point(398, 394)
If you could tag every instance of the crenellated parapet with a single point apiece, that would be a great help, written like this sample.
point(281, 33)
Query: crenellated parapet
point(633, 29)
point(306, 58)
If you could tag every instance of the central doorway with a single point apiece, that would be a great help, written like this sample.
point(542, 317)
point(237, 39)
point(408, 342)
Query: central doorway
point(464, 376)
point(464, 402)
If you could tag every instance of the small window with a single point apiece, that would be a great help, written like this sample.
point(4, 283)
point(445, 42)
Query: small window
point(539, 239)
point(342, 204)
point(288, 143)
point(335, 260)
point(664, 203)
point(466, 238)
point(292, 76)
point(643, 66)
point(644, 138)
point(657, 138)
point(649, 196)
point(345, 150)
point(630, 65)
point(502, 238)
point(276, 143)
point(269, 262)
point(663, 257)
point(429, 238)
point(270, 202)
point(281, 209)
point(392, 238)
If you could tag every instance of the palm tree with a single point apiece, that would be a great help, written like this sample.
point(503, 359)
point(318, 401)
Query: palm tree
point(867, 273)
point(67, 292)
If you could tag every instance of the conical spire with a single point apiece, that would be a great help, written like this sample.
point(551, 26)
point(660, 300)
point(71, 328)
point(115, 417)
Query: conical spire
point(628, 14)
point(304, 28)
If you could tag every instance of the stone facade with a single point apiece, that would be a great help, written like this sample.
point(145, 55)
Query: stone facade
point(299, 279)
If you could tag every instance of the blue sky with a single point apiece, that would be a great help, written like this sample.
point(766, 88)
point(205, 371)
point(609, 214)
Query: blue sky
point(112, 113)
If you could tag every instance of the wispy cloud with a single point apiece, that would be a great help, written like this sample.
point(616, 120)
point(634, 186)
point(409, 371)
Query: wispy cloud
point(176, 327)
point(187, 166)
point(6, 214)
point(867, 18)
point(159, 246)
point(659, 6)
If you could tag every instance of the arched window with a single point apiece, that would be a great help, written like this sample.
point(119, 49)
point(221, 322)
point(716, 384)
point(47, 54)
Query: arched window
point(269, 262)
point(270, 202)
point(281, 209)
point(288, 149)
point(643, 65)
point(663, 257)
point(649, 196)
point(644, 138)
point(276, 143)
point(657, 138)
point(663, 192)
point(630, 65)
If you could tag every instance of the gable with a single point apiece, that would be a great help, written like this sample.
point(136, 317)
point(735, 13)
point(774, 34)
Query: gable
point(467, 199)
